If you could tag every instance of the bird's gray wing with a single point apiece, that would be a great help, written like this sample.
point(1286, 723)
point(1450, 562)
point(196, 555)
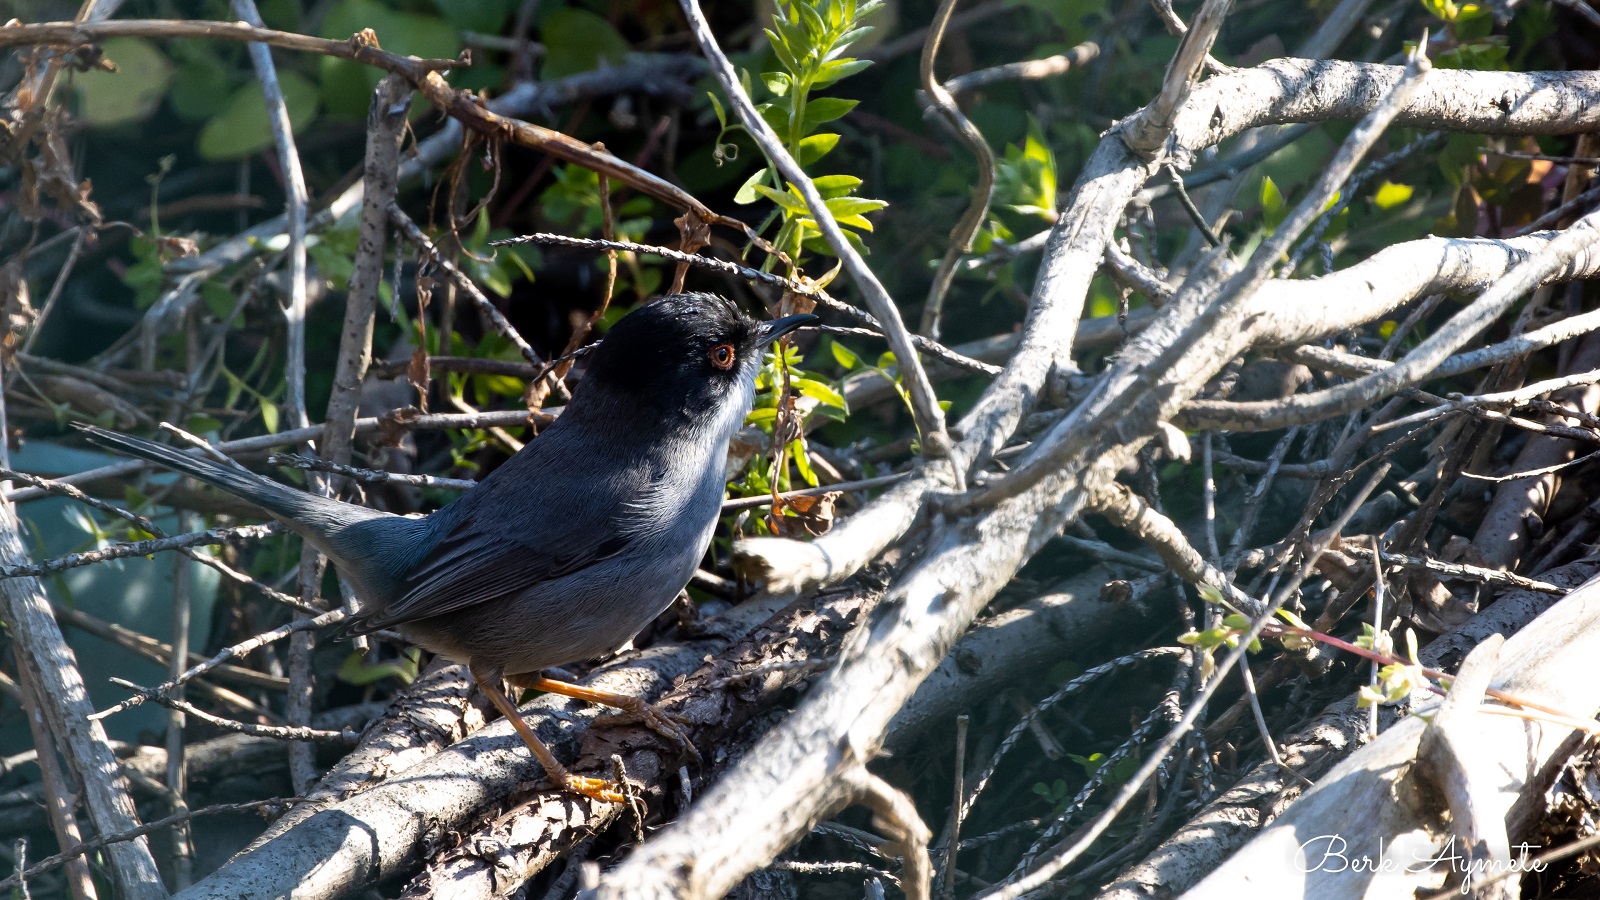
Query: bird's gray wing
point(504, 543)
point(472, 565)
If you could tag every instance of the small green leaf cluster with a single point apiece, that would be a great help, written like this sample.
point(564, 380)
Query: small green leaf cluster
point(808, 40)
point(820, 399)
point(1397, 680)
point(1470, 28)
point(1025, 185)
point(572, 205)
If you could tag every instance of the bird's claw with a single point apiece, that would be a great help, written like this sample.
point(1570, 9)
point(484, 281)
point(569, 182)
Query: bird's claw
point(669, 725)
point(593, 788)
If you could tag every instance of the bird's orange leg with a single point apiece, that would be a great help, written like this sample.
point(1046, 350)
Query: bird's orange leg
point(654, 719)
point(595, 788)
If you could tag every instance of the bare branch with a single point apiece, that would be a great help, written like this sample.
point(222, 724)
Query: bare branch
point(982, 192)
point(1151, 126)
point(64, 703)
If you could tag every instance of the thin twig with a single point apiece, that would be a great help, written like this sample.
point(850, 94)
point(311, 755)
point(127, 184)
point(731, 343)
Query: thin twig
point(95, 843)
point(1379, 584)
point(1149, 132)
point(177, 768)
point(331, 617)
point(398, 421)
point(1195, 216)
point(140, 548)
point(922, 343)
point(78, 34)
point(497, 320)
point(296, 200)
point(947, 878)
point(369, 476)
point(1460, 570)
point(345, 738)
point(66, 490)
point(967, 226)
point(1027, 70)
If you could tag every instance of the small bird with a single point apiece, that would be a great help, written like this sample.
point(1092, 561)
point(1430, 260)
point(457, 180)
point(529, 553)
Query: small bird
point(572, 546)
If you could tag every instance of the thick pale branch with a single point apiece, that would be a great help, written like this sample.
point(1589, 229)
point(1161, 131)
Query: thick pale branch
point(1577, 248)
point(1284, 91)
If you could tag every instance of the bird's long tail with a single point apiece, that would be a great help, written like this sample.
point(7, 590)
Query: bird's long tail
point(318, 518)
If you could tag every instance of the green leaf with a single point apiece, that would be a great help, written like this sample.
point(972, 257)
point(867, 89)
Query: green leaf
point(356, 671)
point(129, 94)
point(834, 70)
point(269, 416)
point(200, 424)
point(781, 50)
point(844, 355)
point(199, 91)
point(777, 82)
point(815, 147)
point(1293, 620)
point(747, 191)
point(802, 464)
point(1273, 207)
point(716, 107)
point(831, 186)
point(577, 40)
point(854, 206)
point(762, 417)
point(787, 200)
point(819, 392)
point(823, 110)
point(851, 36)
point(1444, 10)
point(218, 299)
point(242, 128)
point(1390, 195)
point(816, 29)
point(776, 117)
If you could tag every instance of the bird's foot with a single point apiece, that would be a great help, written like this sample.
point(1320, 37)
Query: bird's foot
point(631, 709)
point(669, 725)
point(593, 788)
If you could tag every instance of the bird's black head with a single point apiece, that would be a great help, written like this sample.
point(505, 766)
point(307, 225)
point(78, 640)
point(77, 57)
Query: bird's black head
point(684, 353)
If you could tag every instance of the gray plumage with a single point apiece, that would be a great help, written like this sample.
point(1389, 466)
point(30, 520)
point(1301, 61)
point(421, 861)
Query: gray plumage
point(568, 549)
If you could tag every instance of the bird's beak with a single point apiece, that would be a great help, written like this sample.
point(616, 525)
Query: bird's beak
point(767, 332)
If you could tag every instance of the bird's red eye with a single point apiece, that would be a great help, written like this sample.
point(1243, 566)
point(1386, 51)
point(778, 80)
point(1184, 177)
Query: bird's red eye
point(722, 356)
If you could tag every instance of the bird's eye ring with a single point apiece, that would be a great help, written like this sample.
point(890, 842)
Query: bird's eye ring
point(722, 356)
